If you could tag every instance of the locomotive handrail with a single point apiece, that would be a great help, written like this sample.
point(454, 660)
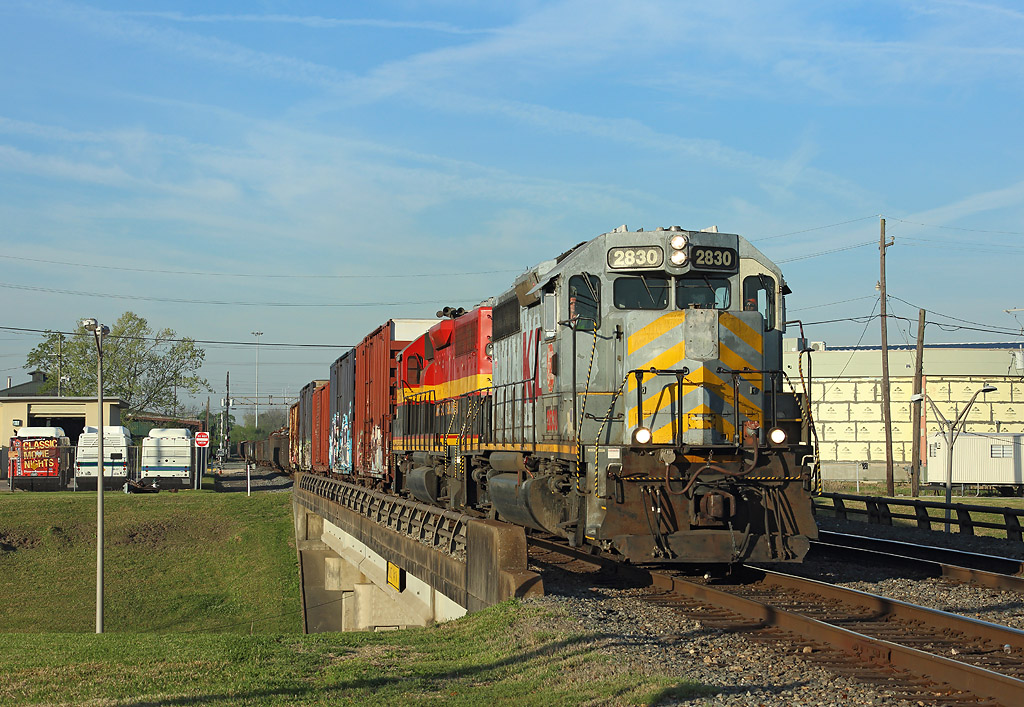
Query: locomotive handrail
point(878, 510)
point(775, 376)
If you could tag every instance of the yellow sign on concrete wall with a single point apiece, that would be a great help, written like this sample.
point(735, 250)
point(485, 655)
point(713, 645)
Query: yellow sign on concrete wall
point(396, 577)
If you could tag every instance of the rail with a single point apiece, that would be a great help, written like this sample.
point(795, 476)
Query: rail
point(879, 509)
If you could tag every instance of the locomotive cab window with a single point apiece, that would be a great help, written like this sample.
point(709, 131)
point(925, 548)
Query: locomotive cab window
point(641, 292)
point(759, 296)
point(415, 370)
point(585, 302)
point(702, 292)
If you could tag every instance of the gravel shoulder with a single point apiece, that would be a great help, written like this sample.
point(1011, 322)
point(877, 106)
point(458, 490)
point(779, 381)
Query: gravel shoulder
point(746, 671)
point(231, 479)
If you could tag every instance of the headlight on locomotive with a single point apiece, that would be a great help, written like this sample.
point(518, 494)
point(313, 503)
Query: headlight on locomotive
point(777, 436)
point(678, 242)
point(678, 257)
point(642, 436)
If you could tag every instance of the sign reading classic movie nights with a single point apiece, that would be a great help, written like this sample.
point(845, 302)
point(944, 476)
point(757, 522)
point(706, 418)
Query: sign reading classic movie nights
point(35, 457)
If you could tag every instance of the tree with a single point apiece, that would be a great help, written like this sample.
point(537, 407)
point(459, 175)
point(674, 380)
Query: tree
point(146, 370)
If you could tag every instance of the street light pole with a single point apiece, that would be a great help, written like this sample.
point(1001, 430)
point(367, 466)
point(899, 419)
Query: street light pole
point(951, 433)
point(256, 424)
point(99, 331)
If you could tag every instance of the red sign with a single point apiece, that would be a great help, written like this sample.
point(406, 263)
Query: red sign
point(34, 457)
point(202, 439)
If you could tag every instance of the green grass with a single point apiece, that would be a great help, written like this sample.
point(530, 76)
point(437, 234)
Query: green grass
point(188, 561)
point(509, 654)
point(189, 575)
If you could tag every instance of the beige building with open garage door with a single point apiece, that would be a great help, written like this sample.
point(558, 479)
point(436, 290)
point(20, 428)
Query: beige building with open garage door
point(71, 414)
point(846, 400)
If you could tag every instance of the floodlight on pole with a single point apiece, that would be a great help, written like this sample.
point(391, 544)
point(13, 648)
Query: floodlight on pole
point(99, 331)
point(256, 422)
point(951, 432)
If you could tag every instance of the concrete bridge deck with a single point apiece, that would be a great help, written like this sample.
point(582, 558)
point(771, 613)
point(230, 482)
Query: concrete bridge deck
point(369, 561)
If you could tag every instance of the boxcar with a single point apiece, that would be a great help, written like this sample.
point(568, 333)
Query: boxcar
point(320, 432)
point(343, 382)
point(376, 383)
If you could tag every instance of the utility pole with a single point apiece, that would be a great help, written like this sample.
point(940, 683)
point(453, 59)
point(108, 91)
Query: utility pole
point(60, 362)
point(890, 486)
point(915, 466)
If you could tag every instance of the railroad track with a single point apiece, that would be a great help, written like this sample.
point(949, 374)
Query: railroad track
point(970, 568)
point(922, 655)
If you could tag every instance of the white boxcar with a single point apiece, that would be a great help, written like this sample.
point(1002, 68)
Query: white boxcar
point(979, 459)
point(118, 457)
point(167, 457)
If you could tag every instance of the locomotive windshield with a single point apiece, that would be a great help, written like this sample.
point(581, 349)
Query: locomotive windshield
point(702, 292)
point(641, 292)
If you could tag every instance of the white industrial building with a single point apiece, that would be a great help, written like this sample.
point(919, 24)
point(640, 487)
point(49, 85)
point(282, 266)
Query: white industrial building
point(846, 395)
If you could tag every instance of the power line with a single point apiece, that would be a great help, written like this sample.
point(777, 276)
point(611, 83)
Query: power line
point(109, 295)
point(304, 276)
point(958, 319)
point(816, 228)
point(284, 345)
point(825, 252)
point(958, 228)
point(867, 323)
point(829, 304)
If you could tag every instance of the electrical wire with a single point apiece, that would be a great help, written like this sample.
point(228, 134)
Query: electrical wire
point(949, 316)
point(285, 345)
point(109, 295)
point(304, 276)
point(829, 304)
point(816, 228)
point(826, 252)
point(957, 228)
point(871, 317)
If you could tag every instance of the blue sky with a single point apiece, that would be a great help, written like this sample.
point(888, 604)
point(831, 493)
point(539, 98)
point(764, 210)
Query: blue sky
point(463, 142)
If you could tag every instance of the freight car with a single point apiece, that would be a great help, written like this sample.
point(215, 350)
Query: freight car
point(272, 452)
point(627, 395)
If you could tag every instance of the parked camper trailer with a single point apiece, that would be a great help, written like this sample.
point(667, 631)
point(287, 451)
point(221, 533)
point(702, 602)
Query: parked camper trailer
point(168, 458)
point(979, 459)
point(39, 459)
point(119, 458)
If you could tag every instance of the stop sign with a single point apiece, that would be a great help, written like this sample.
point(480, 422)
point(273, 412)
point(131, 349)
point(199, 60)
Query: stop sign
point(202, 439)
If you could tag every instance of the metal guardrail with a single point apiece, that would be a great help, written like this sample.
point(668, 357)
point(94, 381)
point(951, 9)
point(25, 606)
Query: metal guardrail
point(438, 528)
point(879, 509)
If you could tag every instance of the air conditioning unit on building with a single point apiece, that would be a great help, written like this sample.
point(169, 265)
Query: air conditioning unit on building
point(817, 346)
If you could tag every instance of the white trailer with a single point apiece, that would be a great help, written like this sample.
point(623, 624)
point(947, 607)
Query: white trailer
point(168, 458)
point(119, 457)
point(979, 459)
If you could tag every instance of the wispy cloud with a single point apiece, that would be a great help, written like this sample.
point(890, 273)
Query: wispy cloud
point(312, 21)
point(1011, 196)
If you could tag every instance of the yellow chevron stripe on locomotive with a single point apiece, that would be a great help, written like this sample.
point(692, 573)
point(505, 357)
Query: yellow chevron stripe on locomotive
point(706, 399)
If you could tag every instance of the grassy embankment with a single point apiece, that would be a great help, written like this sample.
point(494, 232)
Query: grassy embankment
point(190, 575)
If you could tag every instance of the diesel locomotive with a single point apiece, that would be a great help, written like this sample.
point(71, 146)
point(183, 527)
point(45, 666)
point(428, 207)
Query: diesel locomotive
point(628, 395)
